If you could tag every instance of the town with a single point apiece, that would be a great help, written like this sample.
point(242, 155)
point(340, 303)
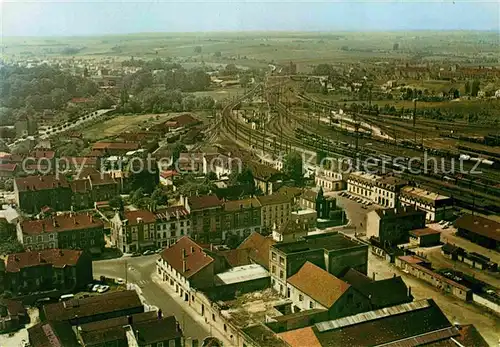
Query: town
point(281, 189)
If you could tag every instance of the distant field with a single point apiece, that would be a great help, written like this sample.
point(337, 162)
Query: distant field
point(119, 124)
point(258, 49)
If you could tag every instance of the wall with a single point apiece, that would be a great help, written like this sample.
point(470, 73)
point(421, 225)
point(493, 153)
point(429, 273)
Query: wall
point(372, 224)
point(486, 303)
point(341, 260)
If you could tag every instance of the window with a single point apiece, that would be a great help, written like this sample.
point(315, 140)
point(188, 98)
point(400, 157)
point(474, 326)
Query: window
point(282, 275)
point(213, 317)
point(311, 304)
point(273, 256)
point(159, 344)
point(282, 261)
point(39, 238)
point(51, 236)
point(273, 269)
point(301, 297)
point(28, 240)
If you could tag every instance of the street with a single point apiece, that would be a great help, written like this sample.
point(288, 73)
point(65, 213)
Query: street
point(139, 271)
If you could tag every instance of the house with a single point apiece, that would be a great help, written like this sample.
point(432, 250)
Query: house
point(141, 329)
point(51, 334)
point(483, 231)
point(222, 165)
point(13, 315)
point(132, 231)
point(38, 271)
point(8, 170)
point(34, 192)
point(332, 252)
point(70, 230)
point(167, 178)
point(381, 293)
point(103, 187)
point(185, 265)
point(95, 308)
point(314, 288)
point(172, 223)
point(437, 207)
point(425, 237)
point(266, 179)
point(205, 213)
point(240, 218)
point(291, 231)
point(391, 226)
point(276, 210)
point(258, 247)
point(329, 180)
point(362, 184)
point(191, 163)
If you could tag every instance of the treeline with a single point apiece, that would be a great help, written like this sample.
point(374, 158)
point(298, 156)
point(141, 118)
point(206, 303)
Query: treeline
point(41, 87)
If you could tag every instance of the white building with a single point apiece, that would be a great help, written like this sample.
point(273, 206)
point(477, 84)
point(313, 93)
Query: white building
point(362, 184)
point(437, 207)
point(171, 224)
point(328, 179)
point(185, 265)
point(380, 190)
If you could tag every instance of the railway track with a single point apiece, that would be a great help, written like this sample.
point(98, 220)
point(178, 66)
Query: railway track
point(279, 136)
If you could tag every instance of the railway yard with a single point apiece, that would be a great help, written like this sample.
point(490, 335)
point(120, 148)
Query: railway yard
point(467, 172)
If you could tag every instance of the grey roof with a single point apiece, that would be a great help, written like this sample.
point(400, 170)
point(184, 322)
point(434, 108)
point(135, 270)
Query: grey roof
point(328, 241)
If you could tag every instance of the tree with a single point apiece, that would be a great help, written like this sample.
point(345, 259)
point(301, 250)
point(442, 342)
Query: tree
point(467, 88)
point(231, 70)
point(244, 80)
point(475, 88)
point(159, 197)
point(137, 196)
point(8, 239)
point(218, 54)
point(197, 49)
point(9, 184)
point(116, 202)
point(395, 46)
point(211, 176)
point(293, 166)
point(323, 69)
point(178, 148)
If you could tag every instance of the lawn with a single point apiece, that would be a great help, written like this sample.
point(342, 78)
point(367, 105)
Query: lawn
point(119, 124)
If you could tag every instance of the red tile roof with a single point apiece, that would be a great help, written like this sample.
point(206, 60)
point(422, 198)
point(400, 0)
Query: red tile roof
point(202, 202)
point(55, 257)
point(129, 146)
point(169, 173)
point(195, 258)
point(185, 120)
point(172, 212)
point(101, 179)
point(43, 154)
point(8, 167)
point(300, 338)
point(259, 247)
point(61, 223)
point(40, 183)
point(134, 217)
point(318, 284)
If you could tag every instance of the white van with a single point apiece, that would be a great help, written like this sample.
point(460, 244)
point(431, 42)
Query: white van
point(66, 297)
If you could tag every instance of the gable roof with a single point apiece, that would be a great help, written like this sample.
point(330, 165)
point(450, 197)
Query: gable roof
point(424, 232)
point(274, 199)
point(55, 257)
point(63, 222)
point(236, 205)
point(202, 202)
point(40, 182)
point(387, 292)
point(195, 258)
point(139, 216)
point(300, 338)
point(104, 303)
point(52, 334)
point(318, 284)
point(259, 247)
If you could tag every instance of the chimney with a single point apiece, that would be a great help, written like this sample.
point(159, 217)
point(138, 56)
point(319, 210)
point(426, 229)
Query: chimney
point(184, 266)
point(160, 314)
point(54, 222)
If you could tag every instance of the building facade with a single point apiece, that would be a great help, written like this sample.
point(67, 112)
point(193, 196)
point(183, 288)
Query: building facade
point(34, 192)
point(133, 231)
point(436, 207)
point(276, 210)
point(39, 271)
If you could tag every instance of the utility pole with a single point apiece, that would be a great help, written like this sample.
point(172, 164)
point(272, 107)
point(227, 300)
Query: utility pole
point(415, 119)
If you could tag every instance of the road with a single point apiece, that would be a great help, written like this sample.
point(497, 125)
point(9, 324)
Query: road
point(139, 271)
point(73, 124)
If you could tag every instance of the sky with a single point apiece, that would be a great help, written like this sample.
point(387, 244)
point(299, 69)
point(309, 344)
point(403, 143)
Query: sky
point(100, 17)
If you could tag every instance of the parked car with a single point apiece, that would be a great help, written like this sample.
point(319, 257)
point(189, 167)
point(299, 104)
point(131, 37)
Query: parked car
point(102, 289)
point(119, 281)
point(95, 288)
point(442, 222)
point(159, 250)
point(148, 252)
point(66, 297)
point(136, 254)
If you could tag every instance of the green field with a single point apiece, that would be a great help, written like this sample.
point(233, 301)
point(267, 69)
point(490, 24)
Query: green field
point(259, 49)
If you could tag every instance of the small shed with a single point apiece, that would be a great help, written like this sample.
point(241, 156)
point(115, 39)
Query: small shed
point(425, 237)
